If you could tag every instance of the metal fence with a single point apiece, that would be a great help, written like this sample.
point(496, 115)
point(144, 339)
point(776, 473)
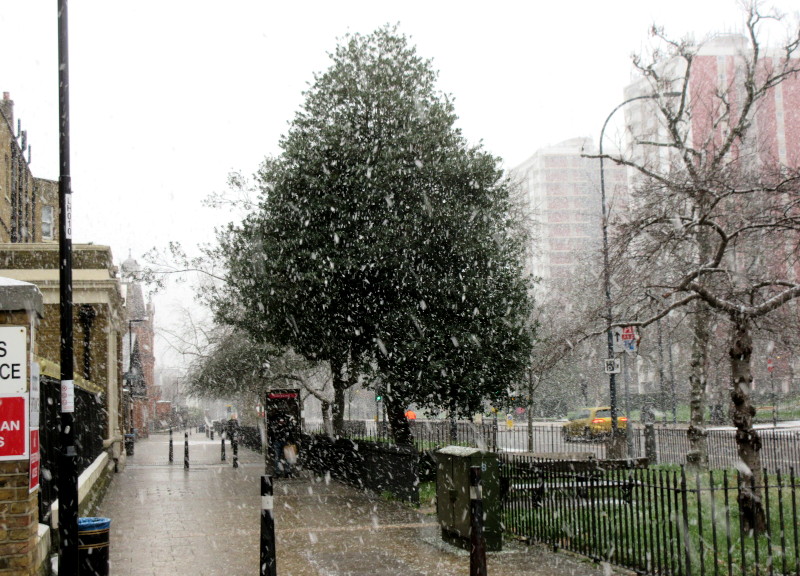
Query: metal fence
point(780, 447)
point(427, 434)
point(91, 420)
point(652, 521)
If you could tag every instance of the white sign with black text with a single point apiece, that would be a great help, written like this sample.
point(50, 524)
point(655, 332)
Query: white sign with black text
point(13, 360)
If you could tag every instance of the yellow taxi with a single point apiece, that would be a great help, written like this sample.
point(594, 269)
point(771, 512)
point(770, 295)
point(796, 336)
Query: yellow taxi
point(591, 423)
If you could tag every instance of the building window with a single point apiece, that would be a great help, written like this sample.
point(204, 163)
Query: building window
point(47, 222)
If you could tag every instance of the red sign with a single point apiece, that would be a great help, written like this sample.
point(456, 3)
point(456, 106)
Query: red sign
point(770, 365)
point(281, 395)
point(13, 427)
point(35, 458)
point(628, 333)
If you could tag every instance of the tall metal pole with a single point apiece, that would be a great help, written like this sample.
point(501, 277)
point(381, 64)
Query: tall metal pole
point(612, 383)
point(67, 470)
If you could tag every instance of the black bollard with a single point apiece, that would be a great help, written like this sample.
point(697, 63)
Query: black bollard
point(212, 432)
point(170, 446)
point(222, 436)
point(268, 567)
point(235, 445)
point(477, 553)
point(185, 450)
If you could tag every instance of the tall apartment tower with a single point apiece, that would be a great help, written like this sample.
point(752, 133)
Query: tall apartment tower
point(775, 131)
point(561, 190)
point(773, 141)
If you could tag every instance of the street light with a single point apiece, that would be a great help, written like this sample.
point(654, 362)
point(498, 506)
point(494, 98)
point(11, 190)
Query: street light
point(612, 383)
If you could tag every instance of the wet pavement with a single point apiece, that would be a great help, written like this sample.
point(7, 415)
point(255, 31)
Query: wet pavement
point(206, 521)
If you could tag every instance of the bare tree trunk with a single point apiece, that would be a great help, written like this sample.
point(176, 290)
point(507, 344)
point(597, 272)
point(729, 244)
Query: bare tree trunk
point(326, 417)
point(697, 457)
point(747, 441)
point(339, 386)
point(338, 410)
point(529, 410)
point(398, 423)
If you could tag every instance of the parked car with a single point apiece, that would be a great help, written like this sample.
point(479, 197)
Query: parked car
point(591, 423)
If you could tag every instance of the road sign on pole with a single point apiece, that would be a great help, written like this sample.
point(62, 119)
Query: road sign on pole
point(625, 339)
point(612, 366)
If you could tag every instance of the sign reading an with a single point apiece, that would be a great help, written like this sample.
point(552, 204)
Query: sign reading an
point(13, 428)
point(13, 360)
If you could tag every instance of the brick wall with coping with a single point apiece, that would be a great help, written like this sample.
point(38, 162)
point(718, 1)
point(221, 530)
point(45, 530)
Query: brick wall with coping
point(19, 510)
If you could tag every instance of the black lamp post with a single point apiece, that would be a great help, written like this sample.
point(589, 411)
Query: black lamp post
point(616, 445)
point(68, 466)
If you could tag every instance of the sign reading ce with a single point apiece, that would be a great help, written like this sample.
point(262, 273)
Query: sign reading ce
point(13, 360)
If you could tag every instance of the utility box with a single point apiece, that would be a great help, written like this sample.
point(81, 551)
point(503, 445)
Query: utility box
point(452, 495)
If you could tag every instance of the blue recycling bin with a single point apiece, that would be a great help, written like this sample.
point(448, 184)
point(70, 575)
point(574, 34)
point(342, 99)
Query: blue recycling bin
point(93, 542)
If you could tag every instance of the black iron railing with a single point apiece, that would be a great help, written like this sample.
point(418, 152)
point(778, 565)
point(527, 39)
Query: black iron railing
point(653, 521)
point(427, 434)
point(91, 420)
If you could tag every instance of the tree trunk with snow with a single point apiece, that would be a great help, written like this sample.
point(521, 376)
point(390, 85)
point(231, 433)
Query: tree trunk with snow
point(697, 457)
point(748, 442)
point(327, 425)
point(339, 386)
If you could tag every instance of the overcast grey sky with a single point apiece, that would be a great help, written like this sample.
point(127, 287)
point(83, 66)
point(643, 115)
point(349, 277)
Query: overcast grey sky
point(169, 96)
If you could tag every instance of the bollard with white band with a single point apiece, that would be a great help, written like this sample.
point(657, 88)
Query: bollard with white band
point(267, 561)
point(185, 450)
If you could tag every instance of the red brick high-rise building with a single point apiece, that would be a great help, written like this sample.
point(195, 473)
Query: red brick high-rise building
point(716, 80)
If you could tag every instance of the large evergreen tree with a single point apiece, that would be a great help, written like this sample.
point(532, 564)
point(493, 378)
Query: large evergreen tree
point(383, 240)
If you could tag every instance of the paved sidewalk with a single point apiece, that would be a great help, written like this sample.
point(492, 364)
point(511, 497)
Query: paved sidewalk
point(205, 521)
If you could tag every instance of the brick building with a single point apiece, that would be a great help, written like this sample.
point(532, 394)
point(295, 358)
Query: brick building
point(29, 253)
point(138, 353)
point(28, 205)
point(773, 141)
point(716, 68)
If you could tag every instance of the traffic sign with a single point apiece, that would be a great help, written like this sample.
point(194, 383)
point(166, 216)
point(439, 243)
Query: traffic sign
point(619, 345)
point(770, 365)
point(35, 460)
point(612, 366)
point(625, 339)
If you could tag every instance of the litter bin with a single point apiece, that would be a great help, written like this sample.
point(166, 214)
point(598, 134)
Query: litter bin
point(130, 440)
point(93, 544)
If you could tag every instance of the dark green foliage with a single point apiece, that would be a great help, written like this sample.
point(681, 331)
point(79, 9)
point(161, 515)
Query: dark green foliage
point(382, 240)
